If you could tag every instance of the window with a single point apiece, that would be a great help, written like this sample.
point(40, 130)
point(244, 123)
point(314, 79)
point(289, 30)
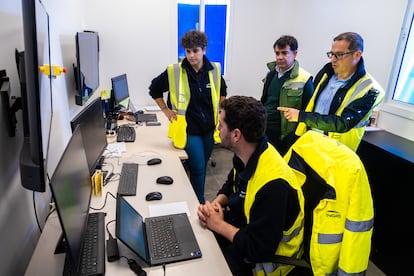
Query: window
point(404, 85)
point(210, 16)
point(400, 100)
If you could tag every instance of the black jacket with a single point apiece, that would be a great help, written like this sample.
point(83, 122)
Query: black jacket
point(199, 114)
point(351, 115)
point(275, 209)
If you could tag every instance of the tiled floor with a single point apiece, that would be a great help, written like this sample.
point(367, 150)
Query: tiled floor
point(216, 175)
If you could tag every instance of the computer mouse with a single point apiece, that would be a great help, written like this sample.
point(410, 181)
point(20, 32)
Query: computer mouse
point(153, 196)
point(165, 179)
point(154, 161)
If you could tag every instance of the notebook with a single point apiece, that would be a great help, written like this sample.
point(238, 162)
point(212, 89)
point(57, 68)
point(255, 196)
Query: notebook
point(135, 233)
point(140, 116)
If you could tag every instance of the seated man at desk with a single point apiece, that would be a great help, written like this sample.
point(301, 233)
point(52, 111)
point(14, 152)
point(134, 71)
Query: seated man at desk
point(261, 196)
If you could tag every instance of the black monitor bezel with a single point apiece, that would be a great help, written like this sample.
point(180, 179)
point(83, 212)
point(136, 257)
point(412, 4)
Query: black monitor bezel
point(117, 97)
point(86, 41)
point(89, 117)
point(33, 155)
point(65, 164)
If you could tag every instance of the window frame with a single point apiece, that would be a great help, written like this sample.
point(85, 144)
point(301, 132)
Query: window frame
point(201, 24)
point(390, 105)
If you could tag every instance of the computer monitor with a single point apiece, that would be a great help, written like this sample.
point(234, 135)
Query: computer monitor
point(87, 69)
point(120, 91)
point(92, 121)
point(36, 94)
point(71, 190)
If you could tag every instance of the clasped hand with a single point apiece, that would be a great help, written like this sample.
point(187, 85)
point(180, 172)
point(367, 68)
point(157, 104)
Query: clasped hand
point(210, 215)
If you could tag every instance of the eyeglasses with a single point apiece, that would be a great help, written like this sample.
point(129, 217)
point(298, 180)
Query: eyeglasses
point(338, 55)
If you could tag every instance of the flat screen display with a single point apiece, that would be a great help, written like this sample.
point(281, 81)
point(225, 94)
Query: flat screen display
point(37, 99)
point(87, 70)
point(71, 189)
point(120, 90)
point(92, 121)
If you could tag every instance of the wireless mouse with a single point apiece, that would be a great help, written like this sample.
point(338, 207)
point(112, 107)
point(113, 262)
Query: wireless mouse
point(165, 179)
point(154, 161)
point(153, 196)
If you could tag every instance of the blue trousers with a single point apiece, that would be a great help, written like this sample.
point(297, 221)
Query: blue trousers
point(199, 150)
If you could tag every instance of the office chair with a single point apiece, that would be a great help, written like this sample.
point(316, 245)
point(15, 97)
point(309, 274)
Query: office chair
point(333, 176)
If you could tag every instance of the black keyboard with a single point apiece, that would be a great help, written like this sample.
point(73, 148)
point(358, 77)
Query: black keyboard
point(128, 181)
point(162, 238)
point(93, 252)
point(125, 134)
point(145, 117)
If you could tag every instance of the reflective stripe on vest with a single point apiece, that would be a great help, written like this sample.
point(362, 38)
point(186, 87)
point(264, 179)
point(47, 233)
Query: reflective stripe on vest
point(177, 77)
point(271, 166)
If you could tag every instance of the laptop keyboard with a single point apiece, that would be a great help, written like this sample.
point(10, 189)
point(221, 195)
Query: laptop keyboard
point(128, 180)
point(162, 238)
point(145, 117)
point(125, 134)
point(93, 253)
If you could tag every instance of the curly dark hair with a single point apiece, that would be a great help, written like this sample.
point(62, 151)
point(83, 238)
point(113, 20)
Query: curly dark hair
point(286, 40)
point(247, 114)
point(193, 39)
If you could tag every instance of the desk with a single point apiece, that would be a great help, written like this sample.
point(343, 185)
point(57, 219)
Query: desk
point(152, 139)
point(44, 262)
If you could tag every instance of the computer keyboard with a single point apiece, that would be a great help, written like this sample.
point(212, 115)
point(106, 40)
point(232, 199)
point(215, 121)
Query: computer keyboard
point(162, 231)
point(93, 252)
point(145, 117)
point(128, 181)
point(125, 134)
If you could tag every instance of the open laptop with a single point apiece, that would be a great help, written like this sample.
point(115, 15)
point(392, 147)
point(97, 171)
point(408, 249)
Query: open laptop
point(140, 116)
point(137, 235)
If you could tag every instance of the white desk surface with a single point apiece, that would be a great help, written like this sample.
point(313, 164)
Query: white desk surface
point(151, 140)
point(44, 262)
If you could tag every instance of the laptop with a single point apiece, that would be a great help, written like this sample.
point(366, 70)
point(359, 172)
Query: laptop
point(136, 234)
point(140, 116)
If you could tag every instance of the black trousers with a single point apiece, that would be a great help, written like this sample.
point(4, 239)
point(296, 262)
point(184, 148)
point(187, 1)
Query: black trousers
point(235, 260)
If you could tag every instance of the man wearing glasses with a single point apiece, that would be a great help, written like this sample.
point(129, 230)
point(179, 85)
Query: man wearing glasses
point(345, 95)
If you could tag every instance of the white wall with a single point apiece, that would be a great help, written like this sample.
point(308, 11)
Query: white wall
point(314, 23)
point(137, 38)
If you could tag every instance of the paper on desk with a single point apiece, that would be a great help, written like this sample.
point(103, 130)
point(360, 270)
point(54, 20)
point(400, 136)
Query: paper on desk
point(152, 108)
point(168, 209)
point(115, 149)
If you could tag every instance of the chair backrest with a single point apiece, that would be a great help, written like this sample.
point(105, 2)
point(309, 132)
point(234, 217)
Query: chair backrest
point(335, 183)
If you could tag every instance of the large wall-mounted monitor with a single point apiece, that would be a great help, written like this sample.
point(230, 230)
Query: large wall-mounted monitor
point(36, 96)
point(87, 65)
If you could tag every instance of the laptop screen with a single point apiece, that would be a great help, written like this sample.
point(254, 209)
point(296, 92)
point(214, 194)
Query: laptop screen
point(130, 227)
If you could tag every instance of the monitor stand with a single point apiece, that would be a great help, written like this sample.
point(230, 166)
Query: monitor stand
point(61, 247)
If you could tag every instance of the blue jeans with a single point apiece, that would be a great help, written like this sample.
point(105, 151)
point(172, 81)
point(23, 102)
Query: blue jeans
point(199, 150)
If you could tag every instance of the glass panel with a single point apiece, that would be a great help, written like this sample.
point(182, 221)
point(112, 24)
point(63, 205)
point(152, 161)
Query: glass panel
point(188, 17)
point(215, 28)
point(404, 90)
point(215, 25)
